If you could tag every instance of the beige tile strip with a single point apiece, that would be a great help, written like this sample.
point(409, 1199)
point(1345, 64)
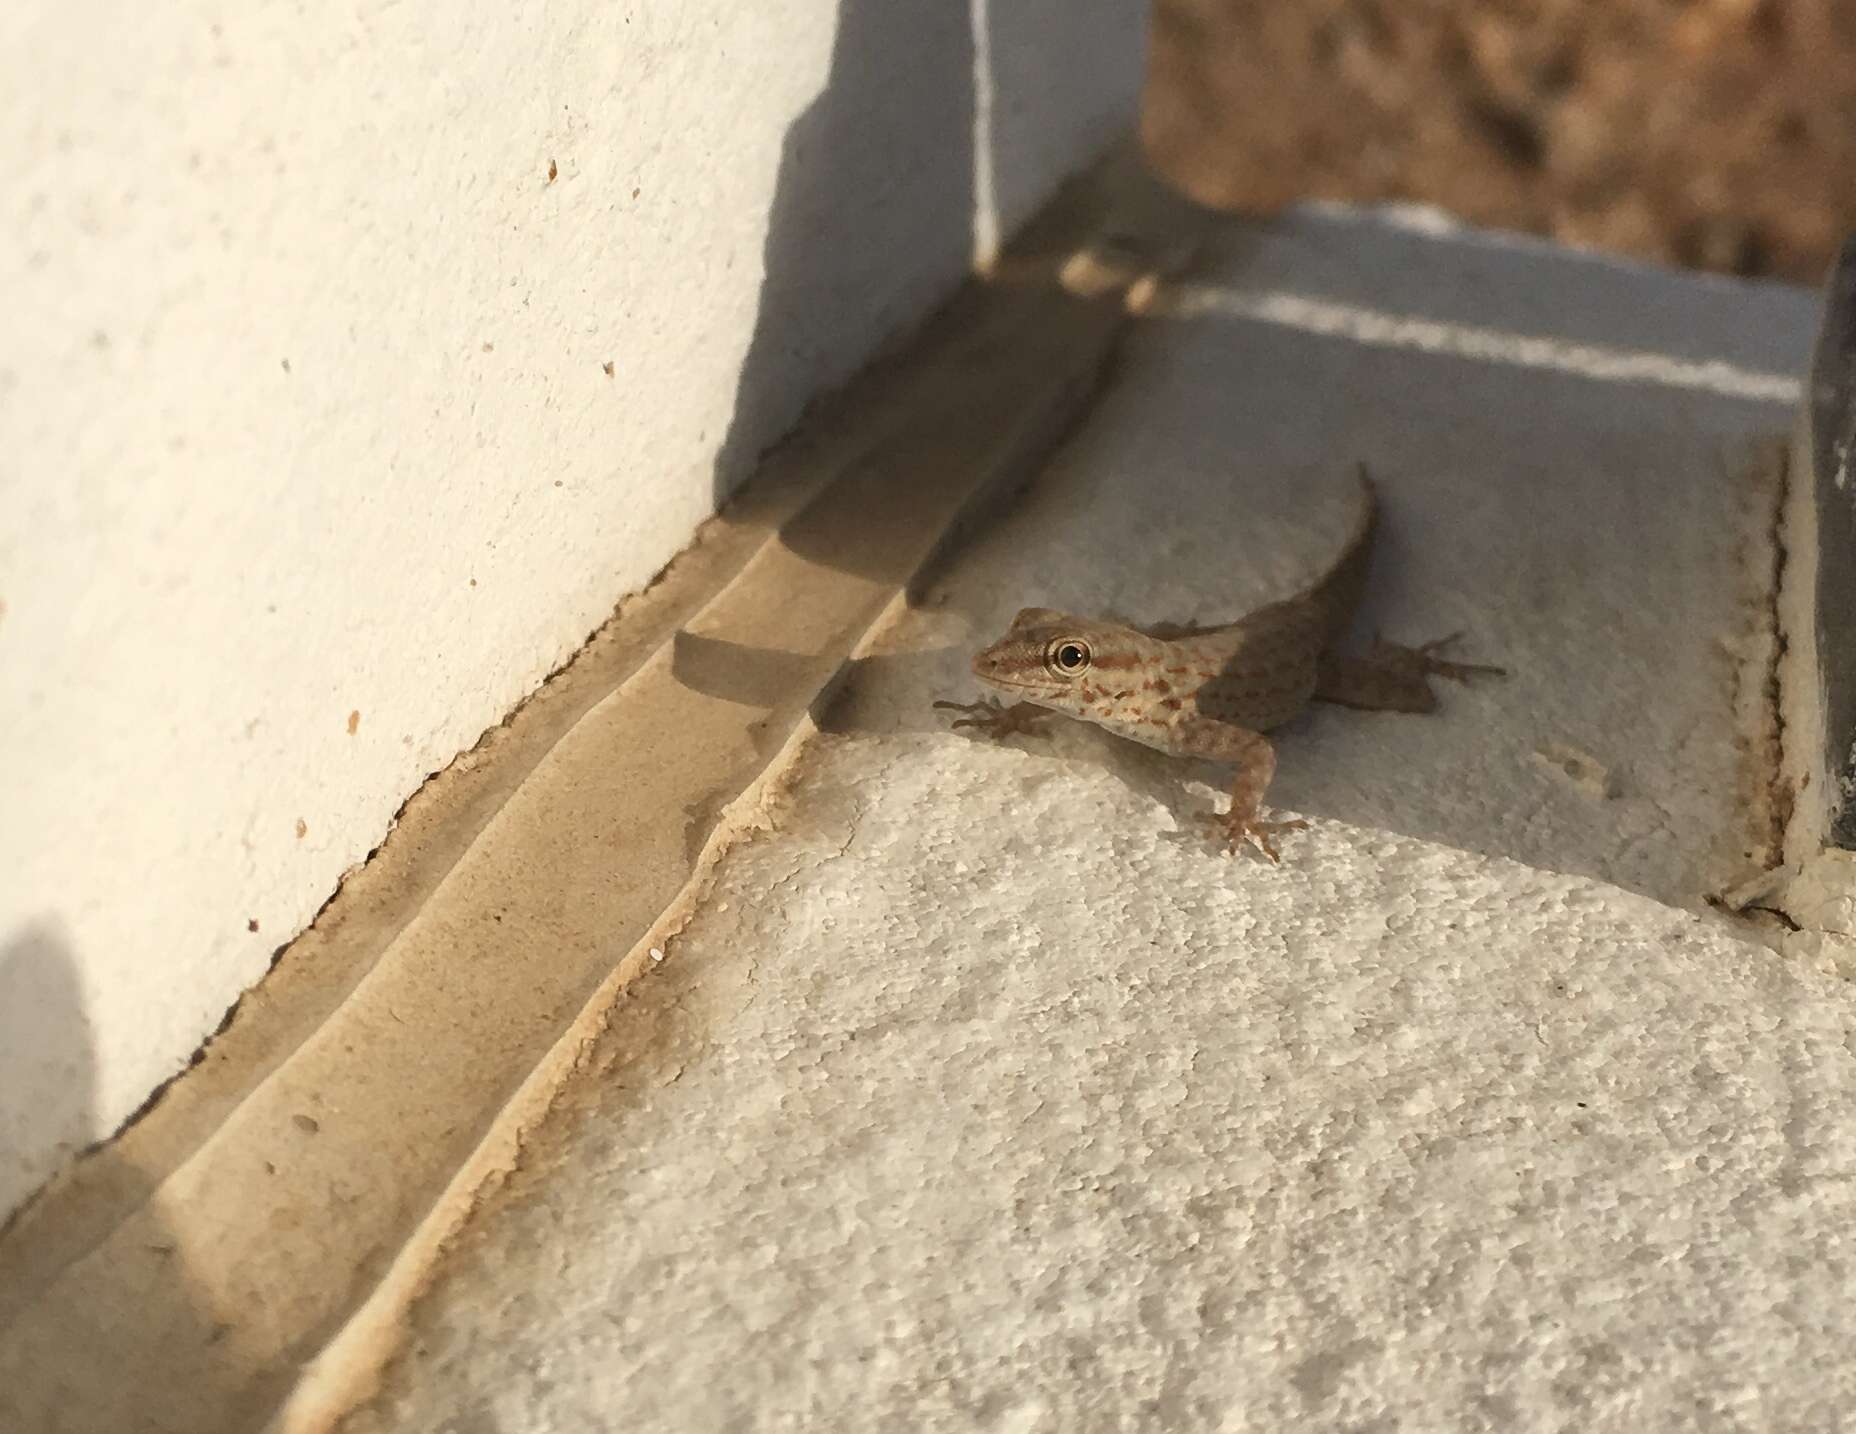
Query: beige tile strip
point(271, 1215)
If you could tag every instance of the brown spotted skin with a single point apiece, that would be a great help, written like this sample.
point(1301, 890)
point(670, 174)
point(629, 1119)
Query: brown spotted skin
point(1210, 693)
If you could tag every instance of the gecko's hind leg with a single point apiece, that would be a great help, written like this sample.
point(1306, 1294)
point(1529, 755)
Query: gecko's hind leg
point(1392, 677)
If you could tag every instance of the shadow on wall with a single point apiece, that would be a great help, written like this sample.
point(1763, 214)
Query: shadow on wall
point(881, 164)
point(80, 1348)
point(47, 1064)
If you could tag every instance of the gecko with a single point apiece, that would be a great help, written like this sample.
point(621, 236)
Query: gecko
point(1214, 692)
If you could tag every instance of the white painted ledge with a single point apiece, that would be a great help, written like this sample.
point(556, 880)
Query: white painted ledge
point(981, 1093)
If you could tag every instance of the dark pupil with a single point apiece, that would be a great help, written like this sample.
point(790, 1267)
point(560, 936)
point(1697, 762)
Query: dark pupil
point(1070, 656)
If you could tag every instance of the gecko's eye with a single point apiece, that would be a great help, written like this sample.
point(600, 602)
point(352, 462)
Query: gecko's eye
point(1068, 656)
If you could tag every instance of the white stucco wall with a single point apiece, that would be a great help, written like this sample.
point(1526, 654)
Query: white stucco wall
point(310, 463)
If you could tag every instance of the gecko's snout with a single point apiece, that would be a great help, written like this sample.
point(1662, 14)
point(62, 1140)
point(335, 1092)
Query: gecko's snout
point(989, 663)
point(1008, 663)
point(986, 664)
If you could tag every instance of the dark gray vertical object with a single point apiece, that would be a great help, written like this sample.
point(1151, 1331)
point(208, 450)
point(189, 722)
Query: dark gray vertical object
point(1833, 484)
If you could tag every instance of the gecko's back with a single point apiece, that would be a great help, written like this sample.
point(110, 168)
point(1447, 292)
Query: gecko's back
point(1263, 667)
point(1147, 684)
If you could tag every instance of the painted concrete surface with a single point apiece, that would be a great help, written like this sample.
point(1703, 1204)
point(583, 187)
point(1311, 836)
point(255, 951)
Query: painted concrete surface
point(982, 1093)
point(356, 366)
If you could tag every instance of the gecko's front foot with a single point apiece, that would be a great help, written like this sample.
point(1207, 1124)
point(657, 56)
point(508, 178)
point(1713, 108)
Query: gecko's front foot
point(993, 718)
point(1236, 827)
point(1423, 661)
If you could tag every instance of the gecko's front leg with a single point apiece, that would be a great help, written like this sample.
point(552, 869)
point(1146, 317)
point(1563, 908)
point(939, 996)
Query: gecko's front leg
point(1255, 759)
point(997, 720)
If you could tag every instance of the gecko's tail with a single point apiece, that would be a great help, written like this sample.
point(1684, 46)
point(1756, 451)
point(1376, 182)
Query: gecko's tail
point(1368, 517)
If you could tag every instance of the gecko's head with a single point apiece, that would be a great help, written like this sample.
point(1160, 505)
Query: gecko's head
point(1048, 657)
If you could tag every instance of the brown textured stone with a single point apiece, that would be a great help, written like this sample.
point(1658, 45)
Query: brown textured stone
point(1719, 134)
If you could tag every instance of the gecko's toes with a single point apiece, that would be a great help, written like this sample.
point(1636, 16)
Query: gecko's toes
point(1463, 671)
point(993, 718)
point(1455, 671)
point(973, 714)
point(1423, 661)
point(1235, 833)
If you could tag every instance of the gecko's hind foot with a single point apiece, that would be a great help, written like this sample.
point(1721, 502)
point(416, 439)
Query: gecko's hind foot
point(1423, 661)
point(994, 719)
point(1234, 830)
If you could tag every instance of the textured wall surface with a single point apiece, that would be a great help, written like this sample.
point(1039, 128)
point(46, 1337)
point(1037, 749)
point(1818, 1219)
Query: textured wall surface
point(355, 366)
